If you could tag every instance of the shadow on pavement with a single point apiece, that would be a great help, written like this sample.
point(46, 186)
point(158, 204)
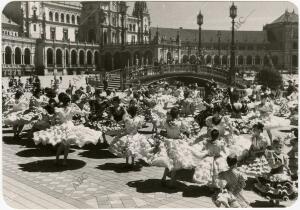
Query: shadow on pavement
point(98, 146)
point(264, 204)
point(154, 185)
point(49, 166)
point(119, 167)
point(26, 142)
point(197, 191)
point(185, 175)
point(97, 154)
point(39, 152)
point(250, 183)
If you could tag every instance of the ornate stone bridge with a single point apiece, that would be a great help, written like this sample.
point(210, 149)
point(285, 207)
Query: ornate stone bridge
point(149, 74)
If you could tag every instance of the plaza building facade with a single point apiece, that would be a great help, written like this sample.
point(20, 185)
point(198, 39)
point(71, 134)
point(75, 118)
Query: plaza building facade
point(77, 37)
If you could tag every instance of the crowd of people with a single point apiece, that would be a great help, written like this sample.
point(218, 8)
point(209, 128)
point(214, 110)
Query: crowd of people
point(219, 135)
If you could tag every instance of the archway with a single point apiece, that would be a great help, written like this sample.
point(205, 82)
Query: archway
point(117, 61)
point(73, 57)
point(249, 60)
point(275, 60)
point(185, 59)
point(96, 58)
point(169, 57)
point(89, 58)
point(257, 60)
point(240, 60)
point(8, 53)
point(18, 55)
point(81, 57)
point(105, 37)
point(224, 60)
point(266, 60)
point(58, 57)
point(91, 35)
point(193, 59)
point(137, 58)
point(49, 56)
point(148, 57)
point(217, 60)
point(27, 56)
point(208, 59)
point(108, 62)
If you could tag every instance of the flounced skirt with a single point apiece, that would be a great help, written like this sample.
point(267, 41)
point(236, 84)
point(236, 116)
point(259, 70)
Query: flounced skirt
point(68, 134)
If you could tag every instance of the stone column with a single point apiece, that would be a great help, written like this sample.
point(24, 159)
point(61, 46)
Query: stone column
point(112, 63)
point(22, 58)
point(3, 60)
point(12, 58)
point(253, 60)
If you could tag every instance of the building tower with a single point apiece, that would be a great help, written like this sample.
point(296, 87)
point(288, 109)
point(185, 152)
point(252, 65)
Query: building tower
point(140, 11)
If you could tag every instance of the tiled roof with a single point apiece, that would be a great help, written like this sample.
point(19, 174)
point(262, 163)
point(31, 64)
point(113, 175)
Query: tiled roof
point(287, 17)
point(6, 20)
point(191, 35)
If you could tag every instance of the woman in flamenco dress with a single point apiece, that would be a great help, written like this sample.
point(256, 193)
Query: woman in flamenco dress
point(213, 161)
point(131, 144)
point(12, 116)
point(174, 151)
point(266, 117)
point(277, 185)
point(66, 133)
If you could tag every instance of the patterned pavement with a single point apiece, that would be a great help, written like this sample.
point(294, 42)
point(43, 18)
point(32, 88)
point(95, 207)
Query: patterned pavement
point(94, 178)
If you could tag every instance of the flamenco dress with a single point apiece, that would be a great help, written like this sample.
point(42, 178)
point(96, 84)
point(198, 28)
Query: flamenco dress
point(277, 184)
point(237, 144)
point(214, 162)
point(268, 119)
point(132, 143)
point(67, 133)
point(256, 165)
point(13, 116)
point(175, 151)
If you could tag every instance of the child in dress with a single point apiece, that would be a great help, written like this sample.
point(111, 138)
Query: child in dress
point(129, 145)
point(213, 161)
point(277, 184)
point(259, 142)
point(66, 133)
point(236, 182)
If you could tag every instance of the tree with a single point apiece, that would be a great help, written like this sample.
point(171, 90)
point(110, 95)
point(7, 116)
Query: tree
point(269, 77)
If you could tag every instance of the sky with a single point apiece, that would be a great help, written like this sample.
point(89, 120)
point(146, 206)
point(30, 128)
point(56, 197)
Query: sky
point(254, 15)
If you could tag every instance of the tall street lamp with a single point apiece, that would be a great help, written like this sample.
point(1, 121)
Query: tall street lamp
point(233, 14)
point(199, 22)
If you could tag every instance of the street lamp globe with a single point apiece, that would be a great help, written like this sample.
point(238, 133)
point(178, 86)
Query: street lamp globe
point(233, 11)
point(200, 19)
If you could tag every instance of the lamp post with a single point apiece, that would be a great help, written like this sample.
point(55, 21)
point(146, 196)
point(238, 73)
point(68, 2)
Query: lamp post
point(199, 22)
point(233, 14)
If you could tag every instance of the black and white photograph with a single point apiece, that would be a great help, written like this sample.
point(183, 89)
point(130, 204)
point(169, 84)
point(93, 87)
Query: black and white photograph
point(149, 104)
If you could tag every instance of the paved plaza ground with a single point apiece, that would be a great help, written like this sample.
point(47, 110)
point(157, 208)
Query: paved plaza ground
point(94, 178)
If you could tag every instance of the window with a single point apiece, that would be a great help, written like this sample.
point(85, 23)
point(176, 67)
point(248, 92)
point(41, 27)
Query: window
point(250, 47)
point(65, 34)
point(73, 19)
point(34, 27)
point(134, 27)
point(68, 18)
point(78, 20)
point(130, 27)
point(56, 17)
point(50, 16)
point(62, 18)
point(52, 34)
point(34, 12)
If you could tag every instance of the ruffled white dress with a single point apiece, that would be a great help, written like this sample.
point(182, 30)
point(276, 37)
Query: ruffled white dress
point(67, 133)
point(132, 143)
point(15, 116)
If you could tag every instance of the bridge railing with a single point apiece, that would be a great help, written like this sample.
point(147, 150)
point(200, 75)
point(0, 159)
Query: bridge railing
point(133, 73)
